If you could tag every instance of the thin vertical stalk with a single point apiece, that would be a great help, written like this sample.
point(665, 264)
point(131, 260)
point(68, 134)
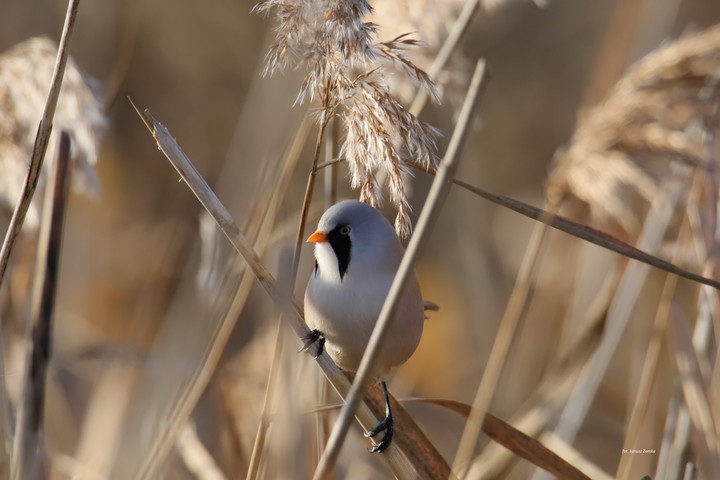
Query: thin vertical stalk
point(517, 304)
point(29, 460)
point(331, 173)
point(300, 237)
point(260, 435)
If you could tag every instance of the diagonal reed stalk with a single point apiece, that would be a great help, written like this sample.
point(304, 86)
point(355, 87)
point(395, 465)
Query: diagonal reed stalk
point(259, 233)
point(467, 14)
point(436, 196)
point(589, 234)
point(273, 377)
point(429, 465)
point(29, 457)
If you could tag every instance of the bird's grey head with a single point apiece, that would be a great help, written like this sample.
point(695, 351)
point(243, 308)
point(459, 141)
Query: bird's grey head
point(353, 236)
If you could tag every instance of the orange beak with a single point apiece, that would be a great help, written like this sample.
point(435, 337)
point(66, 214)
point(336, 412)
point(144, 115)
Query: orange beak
point(317, 237)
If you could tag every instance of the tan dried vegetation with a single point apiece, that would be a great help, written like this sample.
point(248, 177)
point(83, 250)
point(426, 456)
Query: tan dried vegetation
point(608, 367)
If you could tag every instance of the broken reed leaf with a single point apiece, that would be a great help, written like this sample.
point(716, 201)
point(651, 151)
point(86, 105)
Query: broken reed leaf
point(499, 431)
point(513, 439)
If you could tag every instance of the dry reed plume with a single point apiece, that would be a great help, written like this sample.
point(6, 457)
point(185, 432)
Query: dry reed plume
point(337, 47)
point(25, 73)
point(433, 26)
point(643, 165)
point(155, 378)
point(664, 110)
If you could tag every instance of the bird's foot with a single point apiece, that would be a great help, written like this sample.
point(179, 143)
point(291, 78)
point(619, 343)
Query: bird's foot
point(315, 337)
point(385, 426)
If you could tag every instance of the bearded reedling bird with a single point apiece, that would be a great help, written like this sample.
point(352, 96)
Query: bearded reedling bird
point(357, 256)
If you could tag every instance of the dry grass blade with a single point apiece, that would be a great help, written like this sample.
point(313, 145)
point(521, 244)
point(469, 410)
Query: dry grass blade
point(504, 434)
point(541, 408)
point(513, 439)
point(429, 212)
point(29, 461)
point(41, 139)
point(288, 306)
point(584, 232)
point(529, 448)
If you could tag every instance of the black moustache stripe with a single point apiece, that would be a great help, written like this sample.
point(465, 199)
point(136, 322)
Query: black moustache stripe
point(340, 244)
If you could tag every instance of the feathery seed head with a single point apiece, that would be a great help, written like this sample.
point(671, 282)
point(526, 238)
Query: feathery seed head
point(337, 47)
point(25, 76)
point(664, 110)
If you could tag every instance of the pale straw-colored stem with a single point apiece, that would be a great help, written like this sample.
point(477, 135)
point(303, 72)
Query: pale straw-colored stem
point(309, 187)
point(451, 42)
point(261, 433)
point(498, 355)
point(436, 196)
point(41, 139)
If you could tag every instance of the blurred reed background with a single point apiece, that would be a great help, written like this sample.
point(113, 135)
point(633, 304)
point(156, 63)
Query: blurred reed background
point(147, 286)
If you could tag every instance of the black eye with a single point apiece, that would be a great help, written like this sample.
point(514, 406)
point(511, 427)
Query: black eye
point(345, 230)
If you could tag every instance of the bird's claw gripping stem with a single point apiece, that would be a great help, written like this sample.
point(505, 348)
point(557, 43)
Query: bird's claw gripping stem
point(386, 426)
point(315, 337)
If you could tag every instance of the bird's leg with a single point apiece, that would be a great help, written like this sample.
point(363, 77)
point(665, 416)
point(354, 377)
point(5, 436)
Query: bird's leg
point(315, 337)
point(386, 425)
